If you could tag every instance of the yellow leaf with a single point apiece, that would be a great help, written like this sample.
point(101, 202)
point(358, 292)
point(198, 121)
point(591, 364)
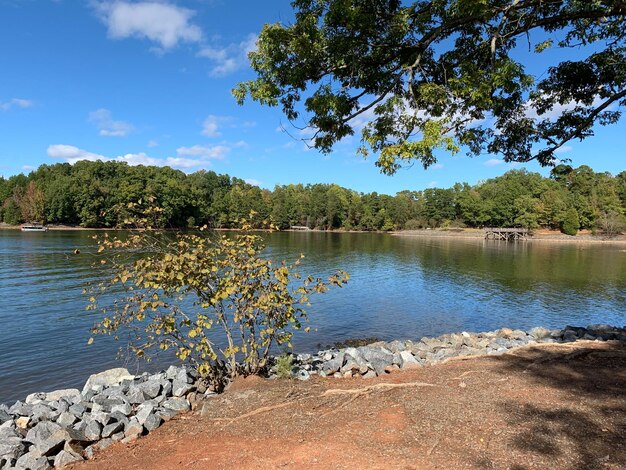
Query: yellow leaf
point(90, 341)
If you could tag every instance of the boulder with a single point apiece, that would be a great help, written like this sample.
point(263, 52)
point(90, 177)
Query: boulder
point(378, 358)
point(125, 409)
point(152, 422)
point(143, 412)
point(33, 461)
point(107, 378)
point(112, 428)
point(133, 430)
point(64, 458)
point(4, 416)
point(136, 395)
point(20, 409)
point(46, 437)
point(66, 419)
point(11, 448)
point(176, 404)
point(56, 395)
point(150, 388)
point(34, 398)
point(408, 361)
point(92, 430)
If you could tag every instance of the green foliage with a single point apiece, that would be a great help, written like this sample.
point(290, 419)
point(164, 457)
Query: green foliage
point(441, 74)
point(116, 192)
point(611, 224)
point(571, 223)
point(283, 365)
point(181, 289)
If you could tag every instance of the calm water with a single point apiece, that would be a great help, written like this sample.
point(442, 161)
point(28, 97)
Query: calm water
point(400, 288)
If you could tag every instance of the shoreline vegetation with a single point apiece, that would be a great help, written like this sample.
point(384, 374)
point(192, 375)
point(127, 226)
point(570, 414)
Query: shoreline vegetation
point(110, 194)
point(67, 426)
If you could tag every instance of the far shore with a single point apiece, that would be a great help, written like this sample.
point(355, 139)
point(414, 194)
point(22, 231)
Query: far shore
point(540, 235)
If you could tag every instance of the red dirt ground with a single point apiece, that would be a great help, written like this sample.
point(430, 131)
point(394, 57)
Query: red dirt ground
point(546, 406)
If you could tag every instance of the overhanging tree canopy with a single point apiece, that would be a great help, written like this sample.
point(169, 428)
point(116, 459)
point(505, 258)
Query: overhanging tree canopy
point(415, 77)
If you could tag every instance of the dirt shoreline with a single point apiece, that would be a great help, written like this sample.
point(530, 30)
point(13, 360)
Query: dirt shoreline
point(539, 235)
point(539, 406)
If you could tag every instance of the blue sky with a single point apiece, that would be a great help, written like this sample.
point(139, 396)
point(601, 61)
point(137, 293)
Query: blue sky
point(149, 82)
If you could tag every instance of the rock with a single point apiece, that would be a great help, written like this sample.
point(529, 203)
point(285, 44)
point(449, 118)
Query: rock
point(370, 374)
point(34, 398)
point(143, 412)
point(180, 388)
point(166, 414)
point(4, 416)
point(351, 363)
point(101, 417)
point(92, 430)
point(151, 388)
point(66, 419)
point(303, 375)
point(152, 422)
point(540, 333)
point(46, 437)
point(106, 404)
point(11, 448)
point(107, 378)
point(176, 404)
point(172, 372)
point(64, 458)
point(377, 357)
point(118, 436)
point(331, 366)
point(119, 417)
point(132, 431)
point(77, 410)
point(408, 361)
point(42, 412)
point(396, 346)
point(21, 409)
point(70, 393)
point(124, 409)
point(22, 422)
point(136, 395)
point(33, 461)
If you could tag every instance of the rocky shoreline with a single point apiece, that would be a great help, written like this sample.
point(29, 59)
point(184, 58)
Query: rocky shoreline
point(62, 427)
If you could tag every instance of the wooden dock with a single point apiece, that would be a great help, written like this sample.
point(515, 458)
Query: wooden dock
point(507, 234)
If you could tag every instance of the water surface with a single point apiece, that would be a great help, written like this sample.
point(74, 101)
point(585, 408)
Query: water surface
point(400, 287)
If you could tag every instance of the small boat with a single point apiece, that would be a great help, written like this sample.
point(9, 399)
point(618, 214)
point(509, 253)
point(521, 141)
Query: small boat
point(35, 227)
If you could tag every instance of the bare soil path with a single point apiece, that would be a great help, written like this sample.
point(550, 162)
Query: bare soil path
point(542, 406)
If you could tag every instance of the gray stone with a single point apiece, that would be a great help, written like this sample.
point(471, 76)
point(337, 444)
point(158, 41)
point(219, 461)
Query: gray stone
point(66, 419)
point(92, 430)
point(77, 410)
point(408, 360)
point(396, 346)
point(47, 437)
point(152, 422)
point(180, 388)
point(33, 461)
point(118, 436)
point(143, 412)
point(302, 374)
point(370, 374)
point(124, 409)
point(136, 395)
point(177, 404)
point(7, 429)
point(106, 404)
point(151, 388)
point(331, 366)
point(21, 409)
point(119, 417)
point(101, 417)
point(64, 458)
point(4, 416)
point(133, 430)
point(378, 358)
point(166, 414)
point(58, 394)
point(11, 448)
point(112, 428)
point(107, 378)
point(42, 412)
point(172, 372)
point(36, 397)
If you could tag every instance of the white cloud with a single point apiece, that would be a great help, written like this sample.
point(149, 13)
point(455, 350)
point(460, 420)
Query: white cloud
point(253, 182)
point(210, 126)
point(15, 103)
point(493, 162)
point(436, 166)
point(432, 184)
point(186, 157)
point(216, 152)
point(228, 59)
point(29, 168)
point(109, 127)
point(158, 21)
point(152, 143)
point(558, 109)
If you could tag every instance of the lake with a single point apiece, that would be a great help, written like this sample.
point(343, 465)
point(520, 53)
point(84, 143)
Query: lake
point(400, 287)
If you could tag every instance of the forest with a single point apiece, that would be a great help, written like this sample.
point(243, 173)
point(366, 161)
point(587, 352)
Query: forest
point(100, 195)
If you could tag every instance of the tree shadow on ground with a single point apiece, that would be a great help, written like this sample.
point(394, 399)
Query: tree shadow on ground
point(580, 420)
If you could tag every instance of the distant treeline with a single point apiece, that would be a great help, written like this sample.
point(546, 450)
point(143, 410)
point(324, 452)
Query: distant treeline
point(97, 194)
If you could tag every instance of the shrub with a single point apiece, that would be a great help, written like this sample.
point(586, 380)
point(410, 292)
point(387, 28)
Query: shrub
point(283, 366)
point(611, 224)
point(571, 223)
point(176, 289)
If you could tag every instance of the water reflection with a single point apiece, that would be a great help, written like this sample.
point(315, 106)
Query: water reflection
point(400, 288)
